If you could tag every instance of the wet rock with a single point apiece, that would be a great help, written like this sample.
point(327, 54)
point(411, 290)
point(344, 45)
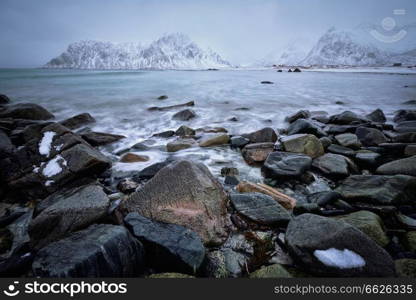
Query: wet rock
point(63, 213)
point(185, 131)
point(227, 171)
point(190, 103)
point(410, 150)
point(405, 166)
point(378, 189)
point(348, 140)
point(266, 82)
point(297, 70)
point(231, 180)
point(209, 129)
point(85, 160)
point(303, 143)
point(165, 134)
point(4, 99)
point(332, 165)
point(225, 263)
point(337, 149)
point(180, 144)
point(338, 129)
point(28, 111)
point(127, 186)
point(377, 116)
point(98, 251)
point(163, 97)
point(410, 102)
point(169, 247)
point(249, 187)
point(329, 247)
point(369, 223)
point(78, 121)
point(324, 198)
point(406, 126)
point(257, 153)
point(272, 271)
point(305, 126)
point(406, 268)
point(407, 137)
point(368, 159)
point(6, 146)
point(404, 115)
point(260, 208)
point(265, 135)
point(131, 158)
point(284, 165)
point(150, 171)
point(238, 141)
point(183, 193)
point(214, 140)
point(370, 136)
point(184, 115)
point(346, 118)
point(302, 114)
point(326, 142)
point(101, 138)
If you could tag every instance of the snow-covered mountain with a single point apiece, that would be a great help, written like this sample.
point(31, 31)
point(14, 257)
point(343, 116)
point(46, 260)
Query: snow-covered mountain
point(290, 55)
point(173, 51)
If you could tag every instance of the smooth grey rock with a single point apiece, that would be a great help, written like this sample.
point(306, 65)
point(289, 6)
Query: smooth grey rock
point(349, 140)
point(305, 126)
point(370, 136)
point(405, 166)
point(332, 165)
point(78, 121)
point(281, 165)
point(184, 115)
point(28, 111)
point(265, 135)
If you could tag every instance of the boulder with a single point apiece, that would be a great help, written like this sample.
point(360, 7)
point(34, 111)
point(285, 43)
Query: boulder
point(349, 140)
point(249, 187)
point(131, 158)
point(378, 189)
point(101, 138)
point(406, 268)
point(165, 134)
point(180, 144)
point(28, 111)
point(239, 141)
point(305, 126)
point(6, 146)
point(183, 193)
point(265, 135)
point(185, 131)
point(346, 118)
point(334, 248)
point(404, 166)
point(214, 140)
point(323, 198)
point(404, 115)
point(302, 114)
point(332, 165)
point(4, 99)
point(284, 165)
point(169, 247)
point(98, 251)
point(150, 171)
point(184, 115)
point(368, 159)
point(370, 136)
point(78, 121)
point(257, 153)
point(337, 149)
point(162, 97)
point(66, 212)
point(260, 208)
point(338, 129)
point(407, 137)
point(406, 126)
point(303, 143)
point(377, 116)
point(272, 271)
point(369, 223)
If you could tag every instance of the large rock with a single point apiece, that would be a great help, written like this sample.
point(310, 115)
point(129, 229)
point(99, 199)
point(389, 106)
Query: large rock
point(329, 247)
point(346, 118)
point(377, 116)
point(180, 144)
point(349, 140)
point(101, 138)
point(378, 189)
point(257, 153)
point(370, 136)
point(169, 247)
point(265, 135)
point(337, 149)
point(404, 115)
point(150, 171)
point(183, 193)
point(305, 126)
point(63, 213)
point(302, 114)
point(303, 143)
point(184, 115)
point(6, 146)
point(28, 111)
point(405, 166)
point(406, 126)
point(369, 223)
point(4, 99)
point(185, 131)
point(332, 165)
point(98, 251)
point(407, 137)
point(214, 140)
point(78, 121)
point(260, 208)
point(283, 165)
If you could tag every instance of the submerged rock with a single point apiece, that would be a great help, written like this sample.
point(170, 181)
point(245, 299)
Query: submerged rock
point(98, 251)
point(28, 111)
point(184, 115)
point(169, 247)
point(183, 193)
point(131, 158)
point(190, 103)
point(328, 247)
point(284, 165)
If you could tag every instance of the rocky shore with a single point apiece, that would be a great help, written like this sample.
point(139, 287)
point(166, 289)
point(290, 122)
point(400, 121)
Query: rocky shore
point(338, 198)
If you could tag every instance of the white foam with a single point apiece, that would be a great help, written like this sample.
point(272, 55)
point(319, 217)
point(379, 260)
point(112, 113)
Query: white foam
point(49, 182)
point(45, 143)
point(53, 167)
point(343, 259)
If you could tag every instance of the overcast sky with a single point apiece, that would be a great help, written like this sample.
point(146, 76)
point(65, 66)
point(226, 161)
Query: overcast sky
point(34, 31)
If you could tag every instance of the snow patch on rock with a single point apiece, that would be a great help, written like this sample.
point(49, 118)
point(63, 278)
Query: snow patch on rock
point(46, 142)
point(343, 259)
point(54, 166)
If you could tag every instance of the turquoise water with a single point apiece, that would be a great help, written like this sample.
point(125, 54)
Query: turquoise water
point(119, 99)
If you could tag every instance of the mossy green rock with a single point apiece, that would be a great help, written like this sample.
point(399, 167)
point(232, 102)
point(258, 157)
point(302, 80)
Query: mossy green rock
point(170, 275)
point(369, 223)
point(273, 271)
point(411, 240)
point(406, 267)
